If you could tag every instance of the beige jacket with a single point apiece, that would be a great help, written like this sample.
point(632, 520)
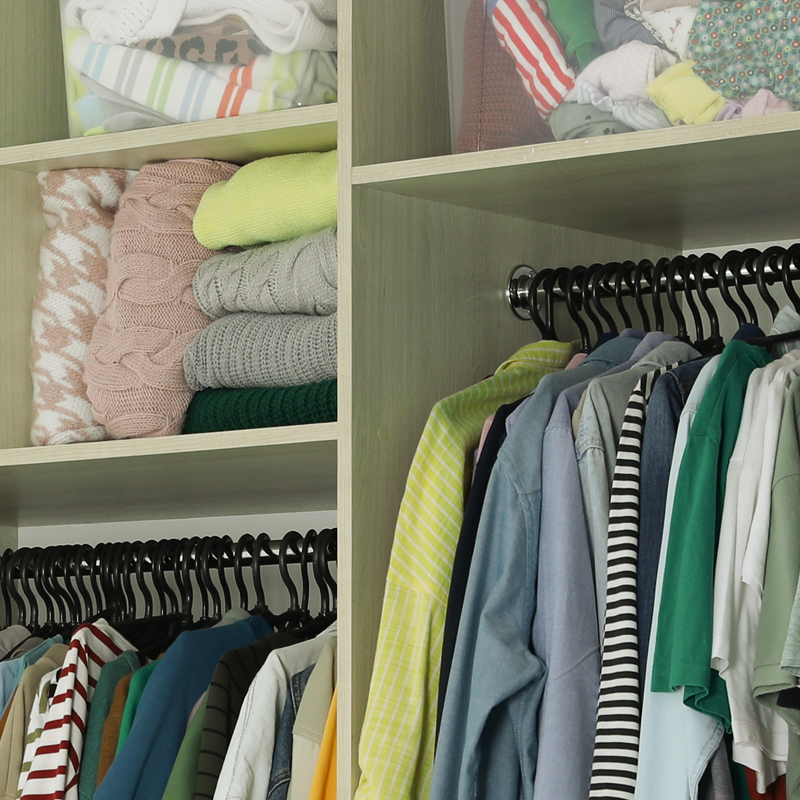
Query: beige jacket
point(309, 725)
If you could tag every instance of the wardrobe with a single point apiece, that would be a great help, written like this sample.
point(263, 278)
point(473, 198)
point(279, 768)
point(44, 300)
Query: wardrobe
point(426, 242)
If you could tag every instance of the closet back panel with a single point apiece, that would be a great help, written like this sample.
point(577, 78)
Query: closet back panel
point(396, 87)
point(428, 318)
point(21, 229)
point(33, 105)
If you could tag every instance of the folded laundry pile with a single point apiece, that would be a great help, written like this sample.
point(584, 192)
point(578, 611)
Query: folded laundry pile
point(614, 66)
point(141, 64)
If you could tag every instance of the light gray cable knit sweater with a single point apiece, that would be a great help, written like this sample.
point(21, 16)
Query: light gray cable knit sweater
point(294, 277)
point(246, 350)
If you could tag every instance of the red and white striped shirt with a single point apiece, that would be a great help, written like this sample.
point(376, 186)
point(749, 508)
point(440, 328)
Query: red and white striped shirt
point(531, 40)
point(54, 768)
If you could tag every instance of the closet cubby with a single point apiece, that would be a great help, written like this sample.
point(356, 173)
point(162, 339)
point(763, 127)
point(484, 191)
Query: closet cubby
point(426, 242)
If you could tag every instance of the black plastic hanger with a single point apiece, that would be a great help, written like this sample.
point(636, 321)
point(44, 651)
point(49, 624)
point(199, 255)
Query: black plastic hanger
point(141, 559)
point(740, 268)
point(204, 553)
point(686, 271)
point(290, 540)
point(671, 275)
point(64, 564)
point(764, 272)
point(327, 553)
point(639, 277)
point(657, 288)
point(246, 541)
point(4, 585)
point(619, 285)
point(788, 270)
point(80, 555)
point(168, 601)
point(22, 598)
point(34, 566)
point(544, 324)
point(600, 287)
point(725, 266)
point(714, 343)
point(551, 285)
point(224, 553)
point(587, 278)
point(569, 283)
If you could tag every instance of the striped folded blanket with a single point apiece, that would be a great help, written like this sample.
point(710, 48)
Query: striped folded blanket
point(186, 91)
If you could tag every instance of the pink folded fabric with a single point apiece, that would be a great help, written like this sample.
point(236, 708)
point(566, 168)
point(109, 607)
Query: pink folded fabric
point(134, 373)
point(79, 206)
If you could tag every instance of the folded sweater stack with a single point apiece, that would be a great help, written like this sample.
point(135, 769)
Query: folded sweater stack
point(269, 357)
point(135, 312)
point(134, 373)
point(143, 63)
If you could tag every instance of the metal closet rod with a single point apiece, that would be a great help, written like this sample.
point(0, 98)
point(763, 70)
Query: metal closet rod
point(751, 267)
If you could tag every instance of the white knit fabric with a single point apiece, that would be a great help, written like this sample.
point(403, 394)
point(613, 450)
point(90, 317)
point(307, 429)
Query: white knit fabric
point(282, 25)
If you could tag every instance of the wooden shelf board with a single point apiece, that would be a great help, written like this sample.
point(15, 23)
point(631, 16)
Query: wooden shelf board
point(199, 475)
point(720, 183)
point(237, 139)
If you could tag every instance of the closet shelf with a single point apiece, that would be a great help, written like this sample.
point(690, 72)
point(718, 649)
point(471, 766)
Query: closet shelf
point(199, 475)
point(720, 183)
point(237, 139)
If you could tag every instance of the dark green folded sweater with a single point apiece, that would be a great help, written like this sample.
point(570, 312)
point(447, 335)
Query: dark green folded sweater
point(237, 409)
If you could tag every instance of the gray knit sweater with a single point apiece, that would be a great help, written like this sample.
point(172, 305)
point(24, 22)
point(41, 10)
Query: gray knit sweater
point(294, 277)
point(248, 350)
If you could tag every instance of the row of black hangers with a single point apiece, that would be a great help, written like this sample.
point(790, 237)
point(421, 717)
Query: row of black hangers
point(80, 583)
point(584, 289)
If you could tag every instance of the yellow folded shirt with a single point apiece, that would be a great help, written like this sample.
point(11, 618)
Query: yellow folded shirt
point(270, 200)
point(683, 96)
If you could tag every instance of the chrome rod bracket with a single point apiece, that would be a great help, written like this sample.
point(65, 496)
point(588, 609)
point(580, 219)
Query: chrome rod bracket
point(518, 291)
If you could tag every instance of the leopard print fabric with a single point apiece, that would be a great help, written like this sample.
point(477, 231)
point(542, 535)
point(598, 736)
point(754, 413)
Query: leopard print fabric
point(228, 41)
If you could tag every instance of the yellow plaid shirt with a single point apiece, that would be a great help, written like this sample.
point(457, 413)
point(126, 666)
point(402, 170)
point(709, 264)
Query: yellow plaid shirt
point(397, 740)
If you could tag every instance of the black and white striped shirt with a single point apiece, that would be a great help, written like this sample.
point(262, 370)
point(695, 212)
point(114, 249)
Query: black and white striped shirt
point(616, 743)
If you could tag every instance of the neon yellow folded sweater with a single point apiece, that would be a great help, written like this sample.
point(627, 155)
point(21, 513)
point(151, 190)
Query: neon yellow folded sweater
point(270, 200)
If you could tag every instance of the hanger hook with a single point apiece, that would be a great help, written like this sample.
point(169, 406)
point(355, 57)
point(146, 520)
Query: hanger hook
point(601, 287)
point(741, 266)
point(671, 273)
point(727, 264)
point(246, 541)
point(788, 265)
point(588, 279)
point(568, 283)
point(619, 292)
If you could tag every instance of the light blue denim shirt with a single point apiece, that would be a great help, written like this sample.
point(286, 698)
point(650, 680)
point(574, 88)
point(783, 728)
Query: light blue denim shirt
point(565, 630)
point(487, 745)
point(675, 742)
point(596, 447)
point(565, 633)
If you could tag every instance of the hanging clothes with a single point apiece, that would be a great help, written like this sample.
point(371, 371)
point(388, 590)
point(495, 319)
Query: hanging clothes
point(396, 757)
point(498, 610)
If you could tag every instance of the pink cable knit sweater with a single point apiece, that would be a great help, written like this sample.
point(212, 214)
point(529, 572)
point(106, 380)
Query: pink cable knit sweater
point(134, 374)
